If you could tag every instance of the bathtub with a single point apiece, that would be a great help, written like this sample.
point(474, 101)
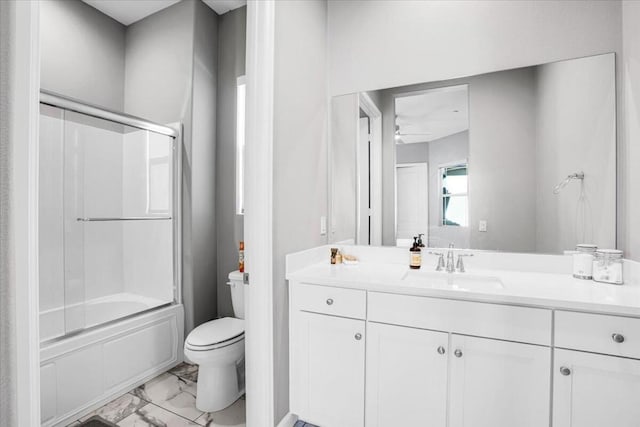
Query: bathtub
point(119, 349)
point(56, 322)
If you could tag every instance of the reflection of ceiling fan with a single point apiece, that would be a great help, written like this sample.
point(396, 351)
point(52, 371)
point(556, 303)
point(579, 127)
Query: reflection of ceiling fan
point(399, 135)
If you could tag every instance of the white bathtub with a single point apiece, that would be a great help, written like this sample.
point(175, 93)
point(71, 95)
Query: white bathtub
point(87, 369)
point(54, 323)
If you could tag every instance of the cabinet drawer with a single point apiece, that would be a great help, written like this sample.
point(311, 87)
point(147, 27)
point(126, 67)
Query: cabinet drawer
point(511, 323)
point(330, 300)
point(598, 333)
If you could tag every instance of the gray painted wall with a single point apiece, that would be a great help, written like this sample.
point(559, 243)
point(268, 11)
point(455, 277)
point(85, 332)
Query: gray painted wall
point(502, 138)
point(342, 181)
point(231, 65)
point(576, 131)
point(82, 53)
point(629, 132)
point(171, 60)
point(203, 165)
point(299, 156)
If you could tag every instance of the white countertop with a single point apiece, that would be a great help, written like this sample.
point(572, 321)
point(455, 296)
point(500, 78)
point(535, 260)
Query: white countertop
point(540, 289)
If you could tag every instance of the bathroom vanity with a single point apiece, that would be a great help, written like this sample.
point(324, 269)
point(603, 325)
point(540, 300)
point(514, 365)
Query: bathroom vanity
point(514, 341)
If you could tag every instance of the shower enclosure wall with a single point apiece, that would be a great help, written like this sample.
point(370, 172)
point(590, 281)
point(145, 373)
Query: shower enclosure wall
point(109, 251)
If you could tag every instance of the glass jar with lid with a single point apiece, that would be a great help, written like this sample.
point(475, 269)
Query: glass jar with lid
point(607, 266)
point(583, 261)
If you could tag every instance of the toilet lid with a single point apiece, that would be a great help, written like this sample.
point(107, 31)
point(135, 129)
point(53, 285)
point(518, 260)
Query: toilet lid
point(216, 331)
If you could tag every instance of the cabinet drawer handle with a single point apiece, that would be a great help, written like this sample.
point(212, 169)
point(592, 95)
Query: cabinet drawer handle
point(441, 350)
point(565, 371)
point(458, 353)
point(358, 336)
point(619, 338)
point(329, 301)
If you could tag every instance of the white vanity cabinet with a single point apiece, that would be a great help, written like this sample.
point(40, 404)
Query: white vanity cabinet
point(373, 359)
point(498, 383)
point(406, 376)
point(328, 355)
point(594, 390)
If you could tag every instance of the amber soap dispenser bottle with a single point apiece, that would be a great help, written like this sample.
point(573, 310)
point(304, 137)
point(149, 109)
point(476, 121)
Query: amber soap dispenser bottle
point(415, 255)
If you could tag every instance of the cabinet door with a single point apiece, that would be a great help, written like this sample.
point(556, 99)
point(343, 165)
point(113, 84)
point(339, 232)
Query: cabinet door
point(330, 363)
point(593, 390)
point(498, 383)
point(406, 377)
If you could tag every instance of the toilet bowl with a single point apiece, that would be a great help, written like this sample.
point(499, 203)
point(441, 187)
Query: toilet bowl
point(217, 347)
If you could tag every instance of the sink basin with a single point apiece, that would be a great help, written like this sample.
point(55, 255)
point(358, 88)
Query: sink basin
point(459, 281)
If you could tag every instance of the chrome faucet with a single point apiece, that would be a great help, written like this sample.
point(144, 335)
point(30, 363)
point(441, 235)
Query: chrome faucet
point(451, 267)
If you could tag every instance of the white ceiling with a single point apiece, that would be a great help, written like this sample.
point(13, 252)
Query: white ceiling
point(129, 11)
point(223, 6)
point(432, 115)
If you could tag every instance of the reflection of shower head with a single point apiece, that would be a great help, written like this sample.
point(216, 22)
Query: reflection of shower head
point(559, 187)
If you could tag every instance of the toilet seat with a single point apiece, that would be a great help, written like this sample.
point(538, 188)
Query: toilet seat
point(215, 334)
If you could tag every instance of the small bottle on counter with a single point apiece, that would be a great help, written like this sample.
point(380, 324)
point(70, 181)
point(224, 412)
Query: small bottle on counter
point(607, 266)
point(339, 257)
point(415, 255)
point(334, 255)
point(241, 257)
point(583, 261)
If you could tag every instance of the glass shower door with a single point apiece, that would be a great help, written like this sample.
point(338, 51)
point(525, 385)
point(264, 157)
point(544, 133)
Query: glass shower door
point(106, 221)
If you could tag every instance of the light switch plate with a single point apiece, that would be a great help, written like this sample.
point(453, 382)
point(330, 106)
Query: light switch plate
point(482, 226)
point(323, 225)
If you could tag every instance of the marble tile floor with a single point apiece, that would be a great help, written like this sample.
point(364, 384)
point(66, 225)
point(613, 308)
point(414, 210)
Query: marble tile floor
point(167, 400)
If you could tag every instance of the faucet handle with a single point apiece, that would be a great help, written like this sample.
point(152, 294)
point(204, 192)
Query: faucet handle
point(440, 255)
point(460, 264)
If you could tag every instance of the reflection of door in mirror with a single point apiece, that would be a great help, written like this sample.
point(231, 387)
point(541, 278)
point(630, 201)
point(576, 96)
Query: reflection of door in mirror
point(412, 204)
point(364, 181)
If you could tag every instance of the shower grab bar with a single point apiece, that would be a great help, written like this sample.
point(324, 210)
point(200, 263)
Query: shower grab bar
point(126, 218)
point(67, 103)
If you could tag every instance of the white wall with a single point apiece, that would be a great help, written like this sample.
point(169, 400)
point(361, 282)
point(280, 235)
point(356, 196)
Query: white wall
point(576, 132)
point(82, 53)
point(439, 40)
point(299, 155)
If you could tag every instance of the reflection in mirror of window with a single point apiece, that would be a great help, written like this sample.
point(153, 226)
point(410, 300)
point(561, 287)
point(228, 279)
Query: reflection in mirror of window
point(454, 195)
point(241, 93)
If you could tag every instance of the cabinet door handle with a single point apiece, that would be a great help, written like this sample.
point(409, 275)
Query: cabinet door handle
point(358, 336)
point(565, 371)
point(441, 350)
point(619, 338)
point(458, 353)
point(329, 301)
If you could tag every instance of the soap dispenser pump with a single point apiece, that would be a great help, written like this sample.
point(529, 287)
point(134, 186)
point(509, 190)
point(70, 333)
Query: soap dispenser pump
point(420, 244)
point(415, 254)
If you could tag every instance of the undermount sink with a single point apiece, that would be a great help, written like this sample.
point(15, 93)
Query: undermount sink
point(460, 281)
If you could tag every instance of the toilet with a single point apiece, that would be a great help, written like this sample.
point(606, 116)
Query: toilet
point(217, 347)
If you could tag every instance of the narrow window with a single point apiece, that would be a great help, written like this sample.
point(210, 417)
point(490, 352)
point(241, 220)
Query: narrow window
point(454, 196)
point(241, 93)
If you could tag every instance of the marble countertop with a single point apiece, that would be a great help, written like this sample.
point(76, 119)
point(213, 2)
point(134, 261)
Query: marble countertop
point(539, 289)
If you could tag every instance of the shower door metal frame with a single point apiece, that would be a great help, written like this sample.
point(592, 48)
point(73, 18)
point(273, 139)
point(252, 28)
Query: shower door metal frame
point(175, 131)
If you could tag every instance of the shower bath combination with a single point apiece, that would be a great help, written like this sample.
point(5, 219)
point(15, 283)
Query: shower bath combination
point(109, 251)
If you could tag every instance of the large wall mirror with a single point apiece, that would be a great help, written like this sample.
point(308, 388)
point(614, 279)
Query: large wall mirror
point(521, 160)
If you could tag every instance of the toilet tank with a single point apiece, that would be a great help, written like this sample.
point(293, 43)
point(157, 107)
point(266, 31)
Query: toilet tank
point(237, 293)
